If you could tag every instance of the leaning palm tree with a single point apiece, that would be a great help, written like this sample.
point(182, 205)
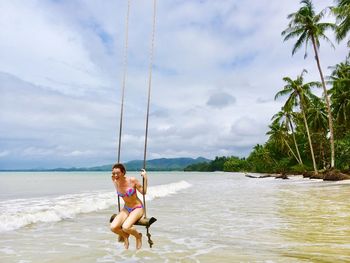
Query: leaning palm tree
point(342, 14)
point(279, 136)
point(306, 26)
point(284, 117)
point(298, 92)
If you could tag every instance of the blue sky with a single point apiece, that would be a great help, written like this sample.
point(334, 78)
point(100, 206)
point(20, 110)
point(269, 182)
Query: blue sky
point(217, 67)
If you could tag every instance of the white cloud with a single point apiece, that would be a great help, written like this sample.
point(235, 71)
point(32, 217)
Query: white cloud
point(40, 49)
point(4, 153)
point(220, 100)
point(218, 65)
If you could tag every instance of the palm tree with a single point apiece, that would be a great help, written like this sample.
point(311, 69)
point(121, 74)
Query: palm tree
point(306, 26)
point(342, 13)
point(285, 116)
point(298, 92)
point(340, 94)
point(279, 136)
point(261, 158)
point(317, 114)
point(317, 120)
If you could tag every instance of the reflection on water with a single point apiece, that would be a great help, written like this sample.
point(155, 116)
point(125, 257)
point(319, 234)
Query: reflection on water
point(317, 221)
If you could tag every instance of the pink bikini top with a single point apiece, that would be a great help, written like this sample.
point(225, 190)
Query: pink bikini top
point(128, 193)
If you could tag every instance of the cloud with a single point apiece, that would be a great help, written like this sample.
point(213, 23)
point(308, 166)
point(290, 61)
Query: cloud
point(247, 126)
point(4, 153)
point(79, 153)
point(220, 100)
point(217, 68)
point(47, 52)
point(264, 100)
point(37, 123)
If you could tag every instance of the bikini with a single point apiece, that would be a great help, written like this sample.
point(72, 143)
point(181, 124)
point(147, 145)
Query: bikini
point(128, 193)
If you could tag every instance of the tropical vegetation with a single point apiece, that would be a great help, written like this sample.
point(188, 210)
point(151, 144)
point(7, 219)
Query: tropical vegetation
point(310, 132)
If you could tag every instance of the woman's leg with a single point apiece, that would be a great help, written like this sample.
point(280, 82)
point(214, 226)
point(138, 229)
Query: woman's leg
point(128, 227)
point(116, 226)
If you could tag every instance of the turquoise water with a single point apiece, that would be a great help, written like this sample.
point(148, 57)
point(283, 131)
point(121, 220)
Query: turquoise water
point(202, 217)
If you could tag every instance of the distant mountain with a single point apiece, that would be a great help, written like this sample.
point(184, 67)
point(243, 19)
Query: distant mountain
point(165, 164)
point(162, 164)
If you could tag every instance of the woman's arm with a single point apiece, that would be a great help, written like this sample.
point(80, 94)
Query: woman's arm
point(114, 180)
point(139, 187)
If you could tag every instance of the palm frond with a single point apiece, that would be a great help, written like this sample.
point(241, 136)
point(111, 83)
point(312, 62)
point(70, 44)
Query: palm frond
point(312, 84)
point(303, 72)
point(342, 29)
point(292, 32)
point(324, 37)
point(288, 80)
point(318, 17)
point(299, 42)
point(306, 46)
point(282, 93)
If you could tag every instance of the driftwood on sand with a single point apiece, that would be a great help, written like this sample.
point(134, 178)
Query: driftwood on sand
point(260, 176)
point(282, 176)
point(326, 175)
point(334, 175)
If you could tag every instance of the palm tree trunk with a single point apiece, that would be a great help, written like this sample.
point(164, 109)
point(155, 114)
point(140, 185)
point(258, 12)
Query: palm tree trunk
point(295, 142)
point(290, 149)
point(323, 156)
point(330, 118)
point(308, 135)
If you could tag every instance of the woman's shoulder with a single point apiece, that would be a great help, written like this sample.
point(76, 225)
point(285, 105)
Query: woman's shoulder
point(132, 179)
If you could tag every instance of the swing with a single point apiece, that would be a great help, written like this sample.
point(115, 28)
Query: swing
point(144, 221)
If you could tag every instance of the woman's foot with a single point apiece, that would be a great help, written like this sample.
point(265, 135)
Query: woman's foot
point(120, 239)
point(139, 241)
point(126, 243)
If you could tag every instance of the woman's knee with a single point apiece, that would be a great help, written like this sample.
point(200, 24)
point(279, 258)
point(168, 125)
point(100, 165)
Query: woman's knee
point(126, 228)
point(115, 228)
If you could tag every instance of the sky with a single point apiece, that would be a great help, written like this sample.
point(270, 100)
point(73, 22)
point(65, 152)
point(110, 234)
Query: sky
point(217, 67)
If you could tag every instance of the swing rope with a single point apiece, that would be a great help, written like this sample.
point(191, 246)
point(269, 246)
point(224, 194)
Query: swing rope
point(150, 242)
point(149, 91)
point(125, 65)
point(152, 220)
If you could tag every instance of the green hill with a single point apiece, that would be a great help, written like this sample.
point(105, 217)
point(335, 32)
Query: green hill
point(162, 164)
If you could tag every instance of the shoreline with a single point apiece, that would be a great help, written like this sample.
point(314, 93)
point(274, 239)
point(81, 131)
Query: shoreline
point(332, 175)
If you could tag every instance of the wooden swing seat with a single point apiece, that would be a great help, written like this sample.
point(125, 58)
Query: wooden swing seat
point(144, 221)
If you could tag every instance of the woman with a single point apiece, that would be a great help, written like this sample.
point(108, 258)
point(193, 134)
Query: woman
point(133, 208)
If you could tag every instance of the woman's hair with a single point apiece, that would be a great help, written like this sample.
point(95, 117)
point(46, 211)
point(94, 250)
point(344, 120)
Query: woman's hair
point(120, 166)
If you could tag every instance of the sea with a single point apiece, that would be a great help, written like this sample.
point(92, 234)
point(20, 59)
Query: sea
point(201, 217)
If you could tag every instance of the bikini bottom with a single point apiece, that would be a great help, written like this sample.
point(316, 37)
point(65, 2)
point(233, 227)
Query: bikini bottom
point(130, 209)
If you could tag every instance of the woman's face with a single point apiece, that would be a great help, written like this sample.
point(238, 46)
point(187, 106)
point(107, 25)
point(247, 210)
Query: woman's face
point(117, 173)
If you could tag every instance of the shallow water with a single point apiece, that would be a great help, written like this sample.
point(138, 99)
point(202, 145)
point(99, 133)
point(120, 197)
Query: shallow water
point(202, 217)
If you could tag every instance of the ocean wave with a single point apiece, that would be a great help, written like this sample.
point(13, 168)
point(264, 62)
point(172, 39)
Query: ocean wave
point(18, 213)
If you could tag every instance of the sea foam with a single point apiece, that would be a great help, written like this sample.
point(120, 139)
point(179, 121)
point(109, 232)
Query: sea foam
point(18, 213)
